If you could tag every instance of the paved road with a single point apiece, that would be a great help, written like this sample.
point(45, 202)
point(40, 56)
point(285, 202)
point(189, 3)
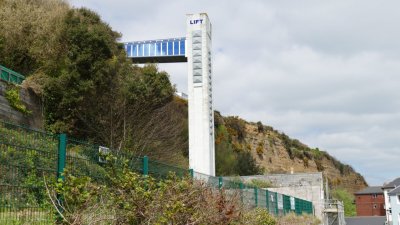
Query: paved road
point(366, 220)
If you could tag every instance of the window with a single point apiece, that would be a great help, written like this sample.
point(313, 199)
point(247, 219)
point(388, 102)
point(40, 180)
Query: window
point(128, 49)
point(182, 47)
point(176, 47)
point(170, 48)
point(134, 50)
point(158, 48)
point(140, 49)
point(374, 206)
point(164, 48)
point(152, 47)
point(146, 50)
point(374, 195)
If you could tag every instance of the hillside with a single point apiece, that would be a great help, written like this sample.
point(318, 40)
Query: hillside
point(78, 71)
point(275, 152)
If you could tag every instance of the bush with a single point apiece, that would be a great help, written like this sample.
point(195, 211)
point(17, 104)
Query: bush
point(260, 127)
point(13, 98)
point(347, 199)
point(132, 198)
point(304, 219)
point(258, 216)
point(260, 148)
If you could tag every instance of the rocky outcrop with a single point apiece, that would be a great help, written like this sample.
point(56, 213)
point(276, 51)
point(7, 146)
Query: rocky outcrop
point(270, 151)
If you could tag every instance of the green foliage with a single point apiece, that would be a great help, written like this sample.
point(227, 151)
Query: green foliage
point(236, 127)
point(258, 216)
point(304, 219)
point(260, 183)
point(347, 199)
point(229, 160)
point(13, 98)
point(132, 198)
point(246, 164)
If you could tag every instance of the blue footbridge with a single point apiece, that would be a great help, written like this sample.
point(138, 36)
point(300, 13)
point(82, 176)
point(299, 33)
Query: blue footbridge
point(169, 50)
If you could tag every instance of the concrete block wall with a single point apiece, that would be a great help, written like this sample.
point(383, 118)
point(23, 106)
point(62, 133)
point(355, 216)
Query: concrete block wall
point(307, 186)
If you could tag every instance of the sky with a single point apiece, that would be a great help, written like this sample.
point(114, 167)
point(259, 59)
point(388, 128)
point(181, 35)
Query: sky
point(324, 72)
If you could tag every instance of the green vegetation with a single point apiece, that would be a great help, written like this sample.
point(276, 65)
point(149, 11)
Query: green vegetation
point(261, 183)
point(130, 198)
point(112, 191)
point(303, 219)
point(13, 98)
point(232, 153)
point(347, 199)
point(74, 62)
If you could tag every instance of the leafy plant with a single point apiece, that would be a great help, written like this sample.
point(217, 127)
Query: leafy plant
point(347, 199)
point(13, 97)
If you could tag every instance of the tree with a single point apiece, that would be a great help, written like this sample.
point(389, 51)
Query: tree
point(347, 199)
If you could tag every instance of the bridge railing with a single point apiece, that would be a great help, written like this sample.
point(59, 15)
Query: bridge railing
point(10, 75)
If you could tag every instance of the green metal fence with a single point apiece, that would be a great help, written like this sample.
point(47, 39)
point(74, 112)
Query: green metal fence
point(10, 76)
point(28, 156)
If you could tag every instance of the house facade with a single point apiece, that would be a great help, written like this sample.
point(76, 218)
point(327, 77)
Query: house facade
point(394, 198)
point(370, 201)
point(389, 191)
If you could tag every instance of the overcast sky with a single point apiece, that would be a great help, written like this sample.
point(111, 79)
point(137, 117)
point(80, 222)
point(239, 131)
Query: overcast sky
point(324, 72)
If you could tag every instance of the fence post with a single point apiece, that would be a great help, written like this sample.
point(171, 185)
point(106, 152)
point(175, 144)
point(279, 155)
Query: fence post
point(61, 159)
point(241, 191)
point(62, 154)
point(276, 205)
point(191, 173)
point(267, 199)
point(256, 196)
point(219, 182)
point(145, 165)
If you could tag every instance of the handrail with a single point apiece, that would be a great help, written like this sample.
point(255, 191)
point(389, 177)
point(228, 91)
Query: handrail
point(10, 75)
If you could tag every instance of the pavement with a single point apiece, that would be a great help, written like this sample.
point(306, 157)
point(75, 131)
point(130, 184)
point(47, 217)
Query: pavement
point(366, 220)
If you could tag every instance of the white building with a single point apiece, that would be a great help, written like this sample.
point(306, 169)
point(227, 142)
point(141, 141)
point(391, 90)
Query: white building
point(388, 204)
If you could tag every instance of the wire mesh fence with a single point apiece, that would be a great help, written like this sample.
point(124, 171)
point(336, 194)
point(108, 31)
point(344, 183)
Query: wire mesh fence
point(29, 157)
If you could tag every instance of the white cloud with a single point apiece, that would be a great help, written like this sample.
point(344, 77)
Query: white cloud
point(324, 72)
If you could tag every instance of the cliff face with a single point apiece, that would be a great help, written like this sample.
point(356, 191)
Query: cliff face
point(277, 153)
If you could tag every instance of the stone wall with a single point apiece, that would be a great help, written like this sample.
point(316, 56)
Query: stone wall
point(31, 101)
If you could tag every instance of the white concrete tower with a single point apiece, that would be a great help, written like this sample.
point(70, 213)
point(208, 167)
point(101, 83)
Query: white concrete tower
point(201, 114)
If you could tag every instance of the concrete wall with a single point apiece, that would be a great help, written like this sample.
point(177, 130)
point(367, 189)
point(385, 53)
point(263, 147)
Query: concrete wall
point(307, 186)
point(32, 102)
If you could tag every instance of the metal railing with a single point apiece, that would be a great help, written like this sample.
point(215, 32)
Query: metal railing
point(10, 75)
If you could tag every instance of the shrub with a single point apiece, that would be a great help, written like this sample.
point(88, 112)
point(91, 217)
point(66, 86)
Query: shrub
point(132, 198)
point(258, 216)
point(260, 127)
point(347, 199)
point(261, 183)
point(236, 127)
point(260, 148)
point(13, 98)
point(304, 219)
